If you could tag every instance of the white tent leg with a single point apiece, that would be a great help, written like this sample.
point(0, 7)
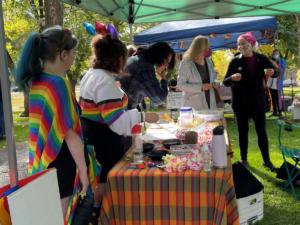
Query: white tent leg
point(11, 145)
point(131, 33)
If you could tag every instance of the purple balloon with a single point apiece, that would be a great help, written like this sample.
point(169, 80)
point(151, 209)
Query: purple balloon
point(112, 30)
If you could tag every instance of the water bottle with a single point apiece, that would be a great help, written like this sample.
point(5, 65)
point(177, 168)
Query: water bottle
point(206, 155)
point(137, 141)
point(219, 151)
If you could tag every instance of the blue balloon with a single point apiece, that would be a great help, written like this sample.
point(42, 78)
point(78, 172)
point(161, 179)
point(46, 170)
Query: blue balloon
point(89, 28)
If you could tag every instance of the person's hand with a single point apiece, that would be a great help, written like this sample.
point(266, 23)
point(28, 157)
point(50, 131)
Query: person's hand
point(269, 72)
point(161, 71)
point(84, 180)
point(216, 84)
point(151, 117)
point(206, 86)
point(236, 77)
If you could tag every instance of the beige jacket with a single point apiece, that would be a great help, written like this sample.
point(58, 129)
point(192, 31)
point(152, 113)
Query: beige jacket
point(190, 83)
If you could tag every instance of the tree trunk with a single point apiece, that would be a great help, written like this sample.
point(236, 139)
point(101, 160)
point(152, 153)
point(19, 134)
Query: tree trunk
point(54, 12)
point(298, 36)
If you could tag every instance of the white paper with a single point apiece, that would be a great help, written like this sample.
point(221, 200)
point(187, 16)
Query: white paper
point(37, 203)
point(160, 132)
point(175, 100)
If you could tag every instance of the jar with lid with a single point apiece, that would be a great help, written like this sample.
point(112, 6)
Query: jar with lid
point(186, 117)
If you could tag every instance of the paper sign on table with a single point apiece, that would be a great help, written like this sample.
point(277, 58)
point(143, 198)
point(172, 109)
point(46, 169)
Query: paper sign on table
point(175, 100)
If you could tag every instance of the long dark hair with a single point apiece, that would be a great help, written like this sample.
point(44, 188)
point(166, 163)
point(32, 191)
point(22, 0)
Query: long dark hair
point(41, 47)
point(157, 53)
point(108, 53)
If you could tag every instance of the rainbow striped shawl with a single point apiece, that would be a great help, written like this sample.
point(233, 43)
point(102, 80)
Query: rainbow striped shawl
point(52, 112)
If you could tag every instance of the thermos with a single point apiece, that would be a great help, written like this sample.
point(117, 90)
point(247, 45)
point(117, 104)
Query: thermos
point(219, 153)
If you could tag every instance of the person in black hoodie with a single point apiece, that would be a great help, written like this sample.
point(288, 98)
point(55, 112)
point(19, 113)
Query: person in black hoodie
point(245, 75)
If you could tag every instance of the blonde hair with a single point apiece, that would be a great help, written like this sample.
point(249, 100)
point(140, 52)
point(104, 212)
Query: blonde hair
point(198, 45)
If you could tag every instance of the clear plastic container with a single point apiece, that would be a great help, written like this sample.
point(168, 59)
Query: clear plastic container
point(186, 117)
point(207, 159)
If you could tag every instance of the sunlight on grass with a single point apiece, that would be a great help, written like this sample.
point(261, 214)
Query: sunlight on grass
point(289, 91)
point(20, 123)
point(279, 205)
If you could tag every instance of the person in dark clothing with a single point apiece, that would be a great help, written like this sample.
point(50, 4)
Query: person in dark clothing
point(274, 88)
point(245, 75)
point(142, 69)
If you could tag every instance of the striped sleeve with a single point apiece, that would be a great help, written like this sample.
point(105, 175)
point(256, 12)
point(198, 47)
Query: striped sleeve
point(112, 104)
point(66, 112)
point(111, 110)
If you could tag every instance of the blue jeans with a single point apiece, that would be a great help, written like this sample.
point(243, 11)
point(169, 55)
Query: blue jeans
point(2, 126)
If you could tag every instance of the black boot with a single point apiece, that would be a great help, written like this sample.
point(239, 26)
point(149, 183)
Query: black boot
point(270, 166)
point(95, 216)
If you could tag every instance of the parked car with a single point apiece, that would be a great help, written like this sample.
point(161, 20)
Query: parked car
point(14, 88)
point(289, 83)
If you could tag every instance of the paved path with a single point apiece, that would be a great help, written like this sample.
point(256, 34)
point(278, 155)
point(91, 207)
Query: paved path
point(22, 157)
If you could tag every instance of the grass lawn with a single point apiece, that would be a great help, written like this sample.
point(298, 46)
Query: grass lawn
point(279, 206)
point(20, 123)
point(288, 91)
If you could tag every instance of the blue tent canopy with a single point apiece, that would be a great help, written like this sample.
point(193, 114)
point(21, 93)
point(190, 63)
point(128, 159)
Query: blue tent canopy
point(224, 31)
point(220, 41)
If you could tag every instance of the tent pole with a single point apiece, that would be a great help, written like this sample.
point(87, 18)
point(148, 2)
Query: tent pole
point(131, 18)
point(6, 98)
point(131, 34)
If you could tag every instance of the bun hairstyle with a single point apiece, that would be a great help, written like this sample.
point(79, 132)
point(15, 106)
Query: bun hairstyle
point(108, 53)
point(41, 47)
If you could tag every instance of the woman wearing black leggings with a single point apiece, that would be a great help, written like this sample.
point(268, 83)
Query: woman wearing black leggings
point(245, 75)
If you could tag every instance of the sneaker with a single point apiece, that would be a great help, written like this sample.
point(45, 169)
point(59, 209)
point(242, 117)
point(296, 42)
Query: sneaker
point(270, 166)
point(245, 163)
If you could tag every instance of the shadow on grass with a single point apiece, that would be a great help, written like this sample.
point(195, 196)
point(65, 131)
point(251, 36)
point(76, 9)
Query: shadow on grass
point(278, 183)
point(279, 216)
point(264, 176)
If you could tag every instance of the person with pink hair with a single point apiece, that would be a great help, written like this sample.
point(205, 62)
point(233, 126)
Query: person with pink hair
point(245, 75)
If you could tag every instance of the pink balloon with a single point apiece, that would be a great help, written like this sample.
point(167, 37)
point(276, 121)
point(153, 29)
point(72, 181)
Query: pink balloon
point(112, 30)
point(100, 28)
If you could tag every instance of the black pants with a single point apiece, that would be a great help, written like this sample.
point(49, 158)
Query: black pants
point(259, 118)
point(275, 101)
point(108, 145)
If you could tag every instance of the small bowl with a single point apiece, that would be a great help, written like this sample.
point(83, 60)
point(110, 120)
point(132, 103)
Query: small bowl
point(157, 155)
point(168, 143)
point(147, 147)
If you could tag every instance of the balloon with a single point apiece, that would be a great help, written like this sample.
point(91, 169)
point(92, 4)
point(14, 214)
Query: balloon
point(89, 28)
point(100, 28)
point(112, 30)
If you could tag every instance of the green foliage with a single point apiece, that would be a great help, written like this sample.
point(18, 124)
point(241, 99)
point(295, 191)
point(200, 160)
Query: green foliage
point(18, 23)
point(74, 19)
point(287, 41)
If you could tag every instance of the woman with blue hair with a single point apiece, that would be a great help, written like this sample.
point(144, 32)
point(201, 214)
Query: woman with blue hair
point(55, 138)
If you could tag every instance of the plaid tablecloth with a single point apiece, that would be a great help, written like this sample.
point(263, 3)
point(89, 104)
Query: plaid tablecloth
point(155, 197)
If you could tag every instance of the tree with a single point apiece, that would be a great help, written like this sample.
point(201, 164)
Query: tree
point(54, 12)
point(298, 32)
point(287, 41)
